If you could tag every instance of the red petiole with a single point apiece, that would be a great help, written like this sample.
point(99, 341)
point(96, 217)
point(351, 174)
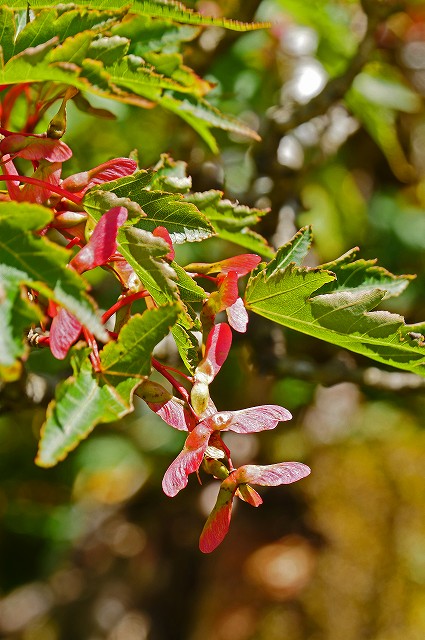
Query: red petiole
point(180, 373)
point(46, 185)
point(204, 275)
point(94, 356)
point(122, 302)
point(177, 386)
point(73, 242)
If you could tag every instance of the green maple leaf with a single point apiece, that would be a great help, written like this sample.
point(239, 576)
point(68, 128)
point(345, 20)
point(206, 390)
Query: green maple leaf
point(336, 303)
point(28, 261)
point(89, 398)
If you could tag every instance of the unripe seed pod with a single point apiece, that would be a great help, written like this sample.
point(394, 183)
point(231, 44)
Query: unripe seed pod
point(153, 392)
point(57, 126)
point(199, 397)
point(216, 468)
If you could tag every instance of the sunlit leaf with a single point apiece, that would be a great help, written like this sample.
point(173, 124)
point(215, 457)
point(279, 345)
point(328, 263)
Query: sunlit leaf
point(37, 263)
point(232, 221)
point(190, 291)
point(153, 34)
point(17, 313)
point(7, 30)
point(293, 297)
point(293, 251)
point(187, 345)
point(81, 402)
point(182, 220)
point(146, 253)
point(89, 398)
point(172, 10)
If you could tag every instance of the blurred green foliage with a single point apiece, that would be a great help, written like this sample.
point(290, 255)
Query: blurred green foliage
point(92, 550)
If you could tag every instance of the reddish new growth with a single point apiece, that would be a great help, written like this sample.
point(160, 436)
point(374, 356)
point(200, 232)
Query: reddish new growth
point(236, 483)
point(204, 444)
point(64, 197)
point(65, 328)
point(226, 298)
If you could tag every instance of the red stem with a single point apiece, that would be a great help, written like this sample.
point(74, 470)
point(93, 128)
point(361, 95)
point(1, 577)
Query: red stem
point(73, 242)
point(6, 132)
point(9, 101)
point(94, 356)
point(45, 185)
point(33, 118)
point(204, 275)
point(122, 303)
point(12, 156)
point(177, 386)
point(180, 373)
